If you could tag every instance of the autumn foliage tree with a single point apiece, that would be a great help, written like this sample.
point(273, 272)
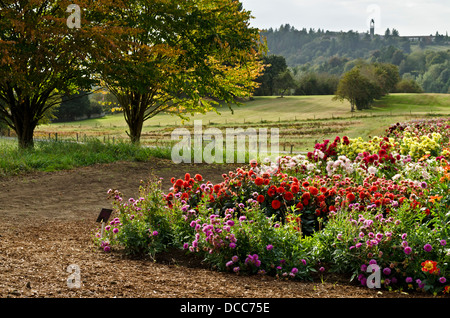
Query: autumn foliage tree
point(153, 55)
point(43, 59)
point(183, 57)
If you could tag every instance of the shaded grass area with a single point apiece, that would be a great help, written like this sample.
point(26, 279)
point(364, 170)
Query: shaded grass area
point(53, 156)
point(63, 155)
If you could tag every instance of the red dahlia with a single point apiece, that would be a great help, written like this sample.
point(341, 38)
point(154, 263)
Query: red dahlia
point(259, 181)
point(276, 204)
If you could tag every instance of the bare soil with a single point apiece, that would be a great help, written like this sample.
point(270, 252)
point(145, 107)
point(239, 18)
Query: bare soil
point(47, 223)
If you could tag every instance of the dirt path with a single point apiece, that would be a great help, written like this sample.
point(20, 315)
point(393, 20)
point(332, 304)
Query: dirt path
point(47, 220)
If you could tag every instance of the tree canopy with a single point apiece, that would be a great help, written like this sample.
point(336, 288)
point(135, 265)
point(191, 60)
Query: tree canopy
point(154, 55)
point(367, 82)
point(185, 57)
point(41, 58)
point(275, 66)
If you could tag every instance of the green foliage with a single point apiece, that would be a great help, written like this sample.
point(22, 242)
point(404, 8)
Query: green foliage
point(279, 79)
point(357, 89)
point(367, 82)
point(275, 65)
point(317, 45)
point(74, 107)
point(316, 84)
point(284, 82)
point(436, 78)
point(408, 86)
point(387, 76)
point(198, 54)
point(3, 126)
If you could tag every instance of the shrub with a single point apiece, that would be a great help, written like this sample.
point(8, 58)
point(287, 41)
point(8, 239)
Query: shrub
point(141, 226)
point(251, 243)
point(399, 244)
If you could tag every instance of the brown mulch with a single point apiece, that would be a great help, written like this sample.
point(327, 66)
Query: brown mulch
point(47, 223)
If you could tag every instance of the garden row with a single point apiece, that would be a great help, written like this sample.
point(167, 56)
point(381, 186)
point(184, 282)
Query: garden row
point(353, 206)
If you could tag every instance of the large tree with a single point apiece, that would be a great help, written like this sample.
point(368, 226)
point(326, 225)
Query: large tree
point(183, 57)
point(387, 76)
point(42, 57)
point(357, 89)
point(365, 83)
point(284, 82)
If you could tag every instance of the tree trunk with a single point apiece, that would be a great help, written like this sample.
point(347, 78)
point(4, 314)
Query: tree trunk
point(26, 138)
point(352, 106)
point(134, 106)
point(24, 127)
point(134, 116)
point(135, 130)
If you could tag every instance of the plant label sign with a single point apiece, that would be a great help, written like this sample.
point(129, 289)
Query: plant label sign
point(104, 215)
point(103, 218)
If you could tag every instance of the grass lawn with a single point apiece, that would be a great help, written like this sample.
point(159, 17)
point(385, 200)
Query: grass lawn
point(53, 156)
point(413, 103)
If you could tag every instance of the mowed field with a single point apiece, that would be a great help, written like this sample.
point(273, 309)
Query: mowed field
point(301, 120)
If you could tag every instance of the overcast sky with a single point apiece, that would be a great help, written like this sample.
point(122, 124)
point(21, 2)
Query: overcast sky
point(409, 17)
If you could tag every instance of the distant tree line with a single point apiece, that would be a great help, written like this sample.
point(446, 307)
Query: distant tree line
point(321, 57)
point(364, 83)
point(279, 79)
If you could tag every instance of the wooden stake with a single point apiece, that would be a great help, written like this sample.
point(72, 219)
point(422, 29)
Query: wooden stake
point(103, 228)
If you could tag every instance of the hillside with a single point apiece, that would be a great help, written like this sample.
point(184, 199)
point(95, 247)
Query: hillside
point(426, 61)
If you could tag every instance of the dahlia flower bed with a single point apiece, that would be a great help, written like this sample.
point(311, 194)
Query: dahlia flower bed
point(346, 206)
